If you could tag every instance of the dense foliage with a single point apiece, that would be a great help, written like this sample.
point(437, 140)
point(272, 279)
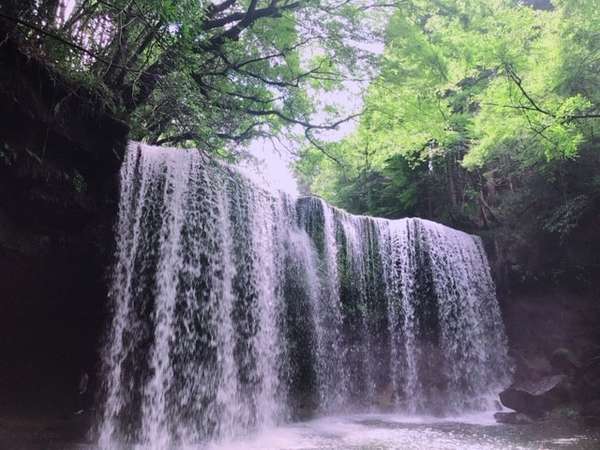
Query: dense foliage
point(485, 115)
point(194, 71)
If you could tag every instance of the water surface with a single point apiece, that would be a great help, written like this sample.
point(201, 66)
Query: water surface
point(383, 432)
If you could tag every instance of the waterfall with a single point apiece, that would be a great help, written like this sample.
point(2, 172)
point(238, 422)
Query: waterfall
point(234, 309)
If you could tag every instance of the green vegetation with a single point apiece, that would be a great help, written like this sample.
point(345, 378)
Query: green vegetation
point(485, 115)
point(196, 72)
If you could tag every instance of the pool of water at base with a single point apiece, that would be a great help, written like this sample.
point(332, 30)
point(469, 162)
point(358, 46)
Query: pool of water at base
point(387, 432)
point(376, 432)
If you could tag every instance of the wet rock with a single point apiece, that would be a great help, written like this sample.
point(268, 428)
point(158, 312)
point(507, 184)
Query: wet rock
point(513, 418)
point(591, 413)
point(590, 381)
point(304, 407)
point(537, 397)
point(564, 361)
point(531, 367)
point(60, 153)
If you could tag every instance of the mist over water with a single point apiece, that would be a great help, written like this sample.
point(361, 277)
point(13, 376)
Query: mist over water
point(236, 310)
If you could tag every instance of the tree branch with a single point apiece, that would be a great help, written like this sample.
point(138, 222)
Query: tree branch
point(318, 146)
point(65, 41)
point(244, 20)
point(217, 8)
point(191, 135)
point(302, 123)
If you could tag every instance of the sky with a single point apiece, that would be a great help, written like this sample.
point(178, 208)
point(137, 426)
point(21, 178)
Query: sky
point(273, 159)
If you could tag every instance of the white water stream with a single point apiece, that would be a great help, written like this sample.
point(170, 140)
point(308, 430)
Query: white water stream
point(236, 311)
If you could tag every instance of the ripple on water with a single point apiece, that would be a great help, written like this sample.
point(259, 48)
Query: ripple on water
point(387, 432)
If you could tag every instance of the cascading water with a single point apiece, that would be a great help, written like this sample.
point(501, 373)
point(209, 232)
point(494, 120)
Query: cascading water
point(236, 309)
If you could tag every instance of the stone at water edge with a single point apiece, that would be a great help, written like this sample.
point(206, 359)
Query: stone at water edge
point(513, 418)
point(537, 397)
point(530, 367)
point(591, 413)
point(565, 361)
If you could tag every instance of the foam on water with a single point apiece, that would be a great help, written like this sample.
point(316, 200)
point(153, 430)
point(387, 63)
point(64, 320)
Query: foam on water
point(476, 431)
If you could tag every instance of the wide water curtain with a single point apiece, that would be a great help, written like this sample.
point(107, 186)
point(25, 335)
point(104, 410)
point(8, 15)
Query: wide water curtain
point(236, 308)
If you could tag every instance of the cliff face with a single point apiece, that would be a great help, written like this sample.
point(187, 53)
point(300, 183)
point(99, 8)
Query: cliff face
point(60, 152)
point(549, 288)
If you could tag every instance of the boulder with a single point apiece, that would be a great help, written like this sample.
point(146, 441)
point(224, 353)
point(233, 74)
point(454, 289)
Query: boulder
point(513, 418)
point(531, 367)
point(590, 381)
point(564, 361)
point(537, 397)
point(591, 413)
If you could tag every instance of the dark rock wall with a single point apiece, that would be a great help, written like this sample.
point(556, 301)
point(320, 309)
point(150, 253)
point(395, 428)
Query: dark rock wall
point(548, 286)
point(60, 152)
point(539, 322)
point(549, 292)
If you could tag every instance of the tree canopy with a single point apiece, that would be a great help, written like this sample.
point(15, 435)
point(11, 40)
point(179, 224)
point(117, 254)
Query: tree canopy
point(474, 83)
point(199, 72)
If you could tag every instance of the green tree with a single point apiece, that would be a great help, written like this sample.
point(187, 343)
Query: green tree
point(473, 83)
point(197, 72)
